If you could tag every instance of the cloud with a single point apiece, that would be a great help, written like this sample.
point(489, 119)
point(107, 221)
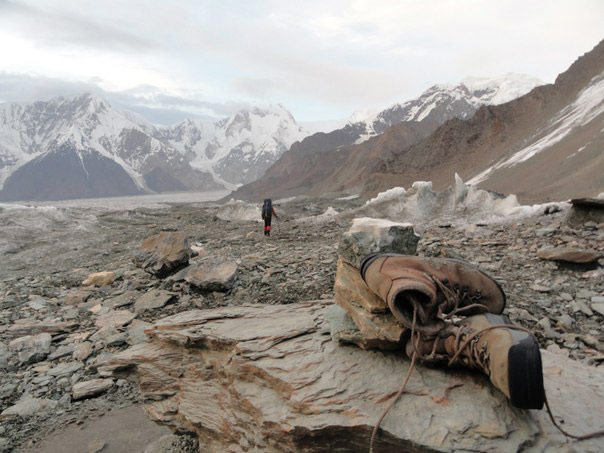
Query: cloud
point(61, 28)
point(150, 101)
point(320, 59)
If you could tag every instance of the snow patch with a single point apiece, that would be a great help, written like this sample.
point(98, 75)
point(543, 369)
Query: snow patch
point(349, 197)
point(588, 105)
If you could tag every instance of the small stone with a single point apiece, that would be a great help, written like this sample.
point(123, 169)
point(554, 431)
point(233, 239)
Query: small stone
point(78, 297)
point(220, 277)
point(544, 323)
point(566, 322)
point(541, 288)
point(31, 348)
point(62, 351)
point(568, 254)
point(566, 296)
point(367, 235)
point(82, 351)
point(99, 279)
point(88, 389)
point(65, 369)
point(547, 231)
point(597, 300)
point(136, 332)
point(116, 318)
point(599, 308)
point(153, 300)
point(35, 327)
point(579, 305)
point(38, 304)
point(585, 294)
point(96, 446)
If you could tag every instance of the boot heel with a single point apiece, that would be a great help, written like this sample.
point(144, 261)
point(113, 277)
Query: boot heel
point(525, 374)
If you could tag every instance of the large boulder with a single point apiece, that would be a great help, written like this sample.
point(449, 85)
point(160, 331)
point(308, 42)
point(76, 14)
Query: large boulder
point(270, 378)
point(367, 235)
point(163, 253)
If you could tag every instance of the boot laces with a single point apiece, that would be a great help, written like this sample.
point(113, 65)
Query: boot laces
point(477, 355)
point(457, 298)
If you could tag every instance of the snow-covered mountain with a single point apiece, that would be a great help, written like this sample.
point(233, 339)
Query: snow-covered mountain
point(240, 148)
point(443, 102)
point(81, 147)
point(339, 160)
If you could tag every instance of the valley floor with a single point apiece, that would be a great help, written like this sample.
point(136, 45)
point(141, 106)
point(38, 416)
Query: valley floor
point(45, 254)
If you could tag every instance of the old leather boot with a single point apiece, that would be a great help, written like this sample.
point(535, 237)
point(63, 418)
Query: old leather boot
point(510, 357)
point(436, 287)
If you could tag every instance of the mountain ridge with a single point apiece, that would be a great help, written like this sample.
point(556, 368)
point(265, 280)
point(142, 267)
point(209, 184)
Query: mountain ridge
point(306, 169)
point(156, 159)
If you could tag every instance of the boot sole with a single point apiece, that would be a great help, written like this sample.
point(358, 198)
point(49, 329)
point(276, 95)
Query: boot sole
point(373, 256)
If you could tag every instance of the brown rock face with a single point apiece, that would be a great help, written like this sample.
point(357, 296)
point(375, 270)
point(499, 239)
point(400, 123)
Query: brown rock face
point(163, 253)
point(270, 378)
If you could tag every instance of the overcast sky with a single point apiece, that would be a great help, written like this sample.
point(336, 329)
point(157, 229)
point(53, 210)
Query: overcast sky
point(321, 59)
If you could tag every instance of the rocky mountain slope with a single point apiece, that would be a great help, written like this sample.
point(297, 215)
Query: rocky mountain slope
point(547, 144)
point(82, 147)
point(306, 169)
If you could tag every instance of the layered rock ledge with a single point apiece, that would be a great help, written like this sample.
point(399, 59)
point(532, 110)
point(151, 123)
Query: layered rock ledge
point(271, 378)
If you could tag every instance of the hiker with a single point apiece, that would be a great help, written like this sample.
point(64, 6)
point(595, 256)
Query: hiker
point(267, 215)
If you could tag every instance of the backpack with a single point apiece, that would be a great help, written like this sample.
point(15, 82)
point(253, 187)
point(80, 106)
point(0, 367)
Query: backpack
point(267, 208)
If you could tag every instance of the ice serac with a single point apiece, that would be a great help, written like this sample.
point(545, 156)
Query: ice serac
point(270, 378)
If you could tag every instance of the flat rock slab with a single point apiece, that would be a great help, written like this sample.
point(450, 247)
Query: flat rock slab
point(88, 389)
point(29, 406)
point(163, 253)
point(115, 318)
point(153, 300)
point(208, 277)
point(569, 255)
point(270, 378)
point(367, 235)
point(20, 329)
point(65, 369)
